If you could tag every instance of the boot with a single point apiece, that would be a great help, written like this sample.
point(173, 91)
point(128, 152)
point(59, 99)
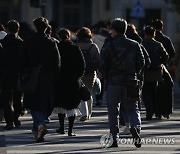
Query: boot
point(61, 122)
point(136, 137)
point(71, 123)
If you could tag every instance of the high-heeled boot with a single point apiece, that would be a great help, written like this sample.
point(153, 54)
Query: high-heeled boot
point(61, 122)
point(71, 123)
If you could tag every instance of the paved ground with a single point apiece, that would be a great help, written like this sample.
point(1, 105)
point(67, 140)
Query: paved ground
point(159, 136)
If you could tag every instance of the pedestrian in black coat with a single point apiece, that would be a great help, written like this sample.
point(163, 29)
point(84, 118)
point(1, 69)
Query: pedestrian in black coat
point(11, 61)
point(41, 50)
point(68, 83)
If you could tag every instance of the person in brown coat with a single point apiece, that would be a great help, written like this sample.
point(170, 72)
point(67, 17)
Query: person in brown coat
point(91, 54)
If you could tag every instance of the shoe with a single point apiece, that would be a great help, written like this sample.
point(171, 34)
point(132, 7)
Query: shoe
point(136, 137)
point(42, 131)
point(17, 124)
point(126, 131)
point(114, 145)
point(71, 134)
point(60, 131)
point(84, 118)
point(9, 127)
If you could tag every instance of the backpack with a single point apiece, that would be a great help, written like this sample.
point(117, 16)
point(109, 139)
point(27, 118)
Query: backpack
point(88, 60)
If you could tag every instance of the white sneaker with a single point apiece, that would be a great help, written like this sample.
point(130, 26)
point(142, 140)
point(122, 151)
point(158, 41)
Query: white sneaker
point(126, 131)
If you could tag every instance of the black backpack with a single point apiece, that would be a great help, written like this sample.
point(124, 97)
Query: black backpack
point(89, 60)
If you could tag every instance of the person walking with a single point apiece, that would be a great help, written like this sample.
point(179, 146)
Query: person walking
point(67, 98)
point(153, 74)
point(41, 50)
point(121, 60)
point(91, 54)
point(166, 85)
point(11, 63)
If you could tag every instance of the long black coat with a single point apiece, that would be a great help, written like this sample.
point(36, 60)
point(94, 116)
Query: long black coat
point(11, 58)
point(73, 66)
point(41, 50)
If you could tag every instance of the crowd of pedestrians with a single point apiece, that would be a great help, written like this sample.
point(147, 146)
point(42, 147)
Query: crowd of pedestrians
point(112, 52)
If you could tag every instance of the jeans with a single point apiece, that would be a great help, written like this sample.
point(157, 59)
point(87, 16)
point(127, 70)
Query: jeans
point(130, 108)
point(38, 119)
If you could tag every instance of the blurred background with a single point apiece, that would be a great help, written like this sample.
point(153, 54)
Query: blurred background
point(74, 14)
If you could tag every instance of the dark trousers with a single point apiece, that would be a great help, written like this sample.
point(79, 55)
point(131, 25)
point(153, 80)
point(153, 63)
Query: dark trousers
point(12, 105)
point(149, 97)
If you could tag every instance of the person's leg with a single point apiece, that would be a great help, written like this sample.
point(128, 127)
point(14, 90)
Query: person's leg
point(148, 99)
point(61, 122)
point(71, 124)
point(113, 99)
point(84, 110)
point(135, 120)
point(7, 108)
point(90, 106)
point(18, 107)
point(39, 127)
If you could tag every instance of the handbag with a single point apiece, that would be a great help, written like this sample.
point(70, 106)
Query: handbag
point(28, 79)
point(85, 93)
point(131, 90)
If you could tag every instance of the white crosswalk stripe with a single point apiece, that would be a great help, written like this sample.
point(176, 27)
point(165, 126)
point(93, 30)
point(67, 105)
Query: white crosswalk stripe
point(88, 137)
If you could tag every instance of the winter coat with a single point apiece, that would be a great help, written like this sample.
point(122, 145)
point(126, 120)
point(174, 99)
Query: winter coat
point(11, 59)
point(68, 82)
point(89, 79)
point(158, 56)
point(160, 37)
point(116, 71)
point(40, 50)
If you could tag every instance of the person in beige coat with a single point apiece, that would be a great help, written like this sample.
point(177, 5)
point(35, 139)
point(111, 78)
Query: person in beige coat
point(91, 55)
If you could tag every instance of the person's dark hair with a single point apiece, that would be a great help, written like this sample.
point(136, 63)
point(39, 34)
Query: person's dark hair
point(83, 33)
point(13, 26)
point(40, 23)
point(149, 30)
point(2, 27)
point(64, 34)
point(131, 29)
point(119, 25)
point(157, 24)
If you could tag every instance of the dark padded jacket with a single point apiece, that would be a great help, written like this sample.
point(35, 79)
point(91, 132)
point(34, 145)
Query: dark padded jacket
point(116, 68)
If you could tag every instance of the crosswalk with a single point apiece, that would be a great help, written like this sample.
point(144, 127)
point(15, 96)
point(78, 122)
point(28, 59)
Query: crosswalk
point(159, 136)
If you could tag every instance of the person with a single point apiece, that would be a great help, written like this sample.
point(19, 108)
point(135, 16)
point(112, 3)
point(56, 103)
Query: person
point(116, 70)
point(101, 37)
point(153, 74)
point(165, 40)
point(132, 33)
point(2, 35)
point(91, 54)
point(50, 109)
point(66, 97)
point(165, 86)
point(40, 50)
point(11, 63)
point(1, 106)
